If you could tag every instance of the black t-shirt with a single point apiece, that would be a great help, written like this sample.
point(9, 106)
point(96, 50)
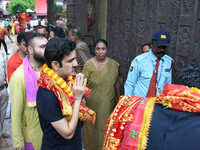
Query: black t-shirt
point(174, 130)
point(49, 111)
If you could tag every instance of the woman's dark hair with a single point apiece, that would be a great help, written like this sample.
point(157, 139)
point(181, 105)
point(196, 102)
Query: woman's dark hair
point(189, 76)
point(101, 41)
point(58, 32)
point(57, 49)
point(146, 44)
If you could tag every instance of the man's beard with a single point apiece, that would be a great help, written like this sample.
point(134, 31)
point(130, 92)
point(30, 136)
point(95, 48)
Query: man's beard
point(39, 58)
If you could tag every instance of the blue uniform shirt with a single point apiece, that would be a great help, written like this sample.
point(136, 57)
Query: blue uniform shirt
point(141, 71)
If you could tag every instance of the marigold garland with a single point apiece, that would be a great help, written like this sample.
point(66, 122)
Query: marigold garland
point(62, 83)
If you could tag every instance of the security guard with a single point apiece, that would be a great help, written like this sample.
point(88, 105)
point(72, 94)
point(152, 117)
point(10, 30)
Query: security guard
point(3, 102)
point(143, 68)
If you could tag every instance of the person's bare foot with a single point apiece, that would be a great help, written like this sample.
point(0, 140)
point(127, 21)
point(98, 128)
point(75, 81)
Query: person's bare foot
point(6, 135)
point(3, 143)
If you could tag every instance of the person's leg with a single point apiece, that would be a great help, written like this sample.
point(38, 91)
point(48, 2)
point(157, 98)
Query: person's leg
point(3, 107)
point(0, 43)
point(5, 46)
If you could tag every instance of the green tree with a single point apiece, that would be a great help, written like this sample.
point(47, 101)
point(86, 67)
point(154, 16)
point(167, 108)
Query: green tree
point(59, 8)
point(31, 4)
point(20, 6)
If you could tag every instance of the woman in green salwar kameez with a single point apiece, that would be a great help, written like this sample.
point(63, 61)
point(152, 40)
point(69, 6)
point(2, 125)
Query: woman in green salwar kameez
point(102, 74)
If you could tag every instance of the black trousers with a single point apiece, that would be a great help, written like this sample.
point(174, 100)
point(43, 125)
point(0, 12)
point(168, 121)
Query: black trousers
point(4, 44)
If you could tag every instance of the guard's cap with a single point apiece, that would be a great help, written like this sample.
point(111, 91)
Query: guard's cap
point(161, 38)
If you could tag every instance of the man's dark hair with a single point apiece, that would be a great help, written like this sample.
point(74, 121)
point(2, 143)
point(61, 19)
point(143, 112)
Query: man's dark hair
point(58, 32)
point(22, 37)
point(57, 49)
point(101, 41)
point(76, 32)
point(31, 36)
point(189, 76)
point(40, 27)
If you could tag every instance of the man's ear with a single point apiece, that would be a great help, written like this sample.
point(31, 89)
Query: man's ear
point(55, 65)
point(30, 50)
point(151, 43)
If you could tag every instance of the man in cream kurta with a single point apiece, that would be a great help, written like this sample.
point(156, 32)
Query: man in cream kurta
point(25, 122)
point(26, 130)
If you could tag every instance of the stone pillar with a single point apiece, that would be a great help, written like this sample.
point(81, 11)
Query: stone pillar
point(82, 16)
point(71, 13)
point(77, 15)
point(101, 19)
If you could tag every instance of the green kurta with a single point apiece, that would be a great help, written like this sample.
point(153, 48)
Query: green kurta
point(25, 121)
point(101, 100)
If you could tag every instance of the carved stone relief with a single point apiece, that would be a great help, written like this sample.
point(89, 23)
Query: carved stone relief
point(184, 36)
point(138, 20)
point(188, 4)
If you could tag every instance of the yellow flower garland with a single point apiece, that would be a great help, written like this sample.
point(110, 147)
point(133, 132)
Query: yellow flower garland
point(62, 83)
point(196, 90)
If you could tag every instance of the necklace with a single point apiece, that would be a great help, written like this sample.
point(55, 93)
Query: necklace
point(34, 68)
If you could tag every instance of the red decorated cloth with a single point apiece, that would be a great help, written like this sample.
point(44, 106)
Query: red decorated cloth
point(180, 97)
point(128, 126)
point(115, 124)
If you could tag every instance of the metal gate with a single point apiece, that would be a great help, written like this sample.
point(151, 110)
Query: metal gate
point(131, 23)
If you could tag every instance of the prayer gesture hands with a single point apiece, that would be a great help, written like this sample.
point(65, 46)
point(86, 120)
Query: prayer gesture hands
point(79, 86)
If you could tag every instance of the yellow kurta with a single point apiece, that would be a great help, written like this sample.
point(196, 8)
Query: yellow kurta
point(12, 31)
point(24, 119)
point(101, 100)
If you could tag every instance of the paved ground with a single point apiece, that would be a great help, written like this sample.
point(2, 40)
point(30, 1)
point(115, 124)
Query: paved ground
point(12, 47)
point(7, 129)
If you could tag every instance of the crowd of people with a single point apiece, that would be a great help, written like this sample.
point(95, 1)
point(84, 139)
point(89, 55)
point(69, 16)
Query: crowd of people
point(63, 97)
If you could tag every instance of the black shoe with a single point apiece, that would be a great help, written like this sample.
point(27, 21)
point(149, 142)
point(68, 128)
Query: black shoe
point(7, 53)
